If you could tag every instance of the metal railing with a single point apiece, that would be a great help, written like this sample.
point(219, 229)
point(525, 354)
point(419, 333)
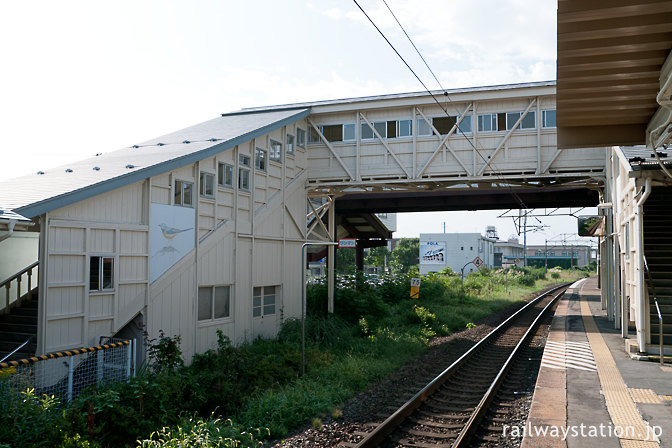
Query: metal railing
point(660, 315)
point(17, 349)
point(66, 374)
point(14, 282)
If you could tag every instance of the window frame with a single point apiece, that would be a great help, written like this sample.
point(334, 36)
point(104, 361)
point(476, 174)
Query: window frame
point(212, 317)
point(272, 156)
point(262, 301)
point(544, 120)
point(221, 174)
point(301, 137)
point(183, 185)
point(260, 159)
point(244, 169)
point(202, 186)
point(289, 145)
point(101, 274)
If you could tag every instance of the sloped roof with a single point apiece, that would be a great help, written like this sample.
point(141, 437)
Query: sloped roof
point(35, 194)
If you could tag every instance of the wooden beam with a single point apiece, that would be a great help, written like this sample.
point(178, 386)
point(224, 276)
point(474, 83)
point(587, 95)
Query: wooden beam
point(331, 148)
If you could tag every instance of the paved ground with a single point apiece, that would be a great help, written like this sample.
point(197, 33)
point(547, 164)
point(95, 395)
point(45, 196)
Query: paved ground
point(589, 387)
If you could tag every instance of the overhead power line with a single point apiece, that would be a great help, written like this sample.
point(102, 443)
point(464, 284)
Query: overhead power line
point(443, 108)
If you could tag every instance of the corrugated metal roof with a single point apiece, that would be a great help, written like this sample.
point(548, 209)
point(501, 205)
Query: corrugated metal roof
point(642, 158)
point(35, 194)
point(438, 93)
point(6, 215)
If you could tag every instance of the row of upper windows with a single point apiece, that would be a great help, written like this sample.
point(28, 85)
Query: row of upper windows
point(214, 302)
point(404, 128)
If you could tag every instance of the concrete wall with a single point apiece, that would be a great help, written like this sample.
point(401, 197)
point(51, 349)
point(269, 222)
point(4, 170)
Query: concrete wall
point(460, 248)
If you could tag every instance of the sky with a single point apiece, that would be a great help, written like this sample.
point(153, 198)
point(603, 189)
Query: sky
point(83, 77)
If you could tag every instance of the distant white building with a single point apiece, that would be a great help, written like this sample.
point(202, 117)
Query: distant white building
point(453, 250)
point(507, 252)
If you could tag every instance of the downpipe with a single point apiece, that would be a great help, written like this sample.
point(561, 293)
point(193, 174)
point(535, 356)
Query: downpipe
point(641, 305)
point(10, 231)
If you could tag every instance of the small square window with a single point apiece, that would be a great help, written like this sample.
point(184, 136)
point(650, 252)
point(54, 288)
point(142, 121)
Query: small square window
point(349, 132)
point(244, 179)
point(444, 124)
point(184, 193)
point(487, 122)
point(529, 121)
point(423, 127)
point(214, 302)
point(332, 132)
point(313, 136)
point(276, 151)
point(101, 273)
point(404, 128)
point(244, 160)
point(381, 128)
point(391, 129)
point(263, 301)
point(548, 118)
point(260, 159)
point(289, 144)
point(465, 125)
point(207, 185)
point(300, 138)
point(225, 175)
point(366, 132)
point(511, 118)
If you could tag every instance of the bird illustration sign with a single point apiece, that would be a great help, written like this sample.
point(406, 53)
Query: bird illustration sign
point(171, 235)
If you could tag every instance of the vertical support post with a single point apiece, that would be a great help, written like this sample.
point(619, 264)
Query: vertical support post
point(18, 287)
point(134, 343)
point(359, 257)
point(7, 297)
point(70, 377)
point(129, 359)
point(331, 259)
point(30, 284)
point(100, 358)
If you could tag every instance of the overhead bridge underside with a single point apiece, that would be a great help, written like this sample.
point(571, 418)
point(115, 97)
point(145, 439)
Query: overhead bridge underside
point(477, 199)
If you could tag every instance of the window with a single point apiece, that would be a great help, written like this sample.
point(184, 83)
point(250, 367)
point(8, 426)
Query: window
point(381, 128)
point(465, 125)
point(225, 174)
point(263, 301)
point(244, 173)
point(276, 151)
point(444, 124)
point(366, 132)
point(627, 240)
point(207, 185)
point(529, 122)
point(300, 138)
point(214, 302)
point(548, 118)
point(423, 127)
point(289, 144)
point(332, 132)
point(313, 136)
point(260, 159)
point(184, 193)
point(488, 122)
point(348, 132)
point(404, 128)
point(101, 273)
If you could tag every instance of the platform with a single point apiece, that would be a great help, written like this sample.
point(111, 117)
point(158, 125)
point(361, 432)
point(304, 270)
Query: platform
point(589, 392)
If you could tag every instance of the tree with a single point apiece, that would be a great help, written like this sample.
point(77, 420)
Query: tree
point(345, 261)
point(377, 256)
point(406, 253)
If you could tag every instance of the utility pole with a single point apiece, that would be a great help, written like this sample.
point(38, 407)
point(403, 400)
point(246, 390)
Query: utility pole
point(546, 253)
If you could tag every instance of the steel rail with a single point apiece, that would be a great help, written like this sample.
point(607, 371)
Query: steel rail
point(377, 436)
point(464, 437)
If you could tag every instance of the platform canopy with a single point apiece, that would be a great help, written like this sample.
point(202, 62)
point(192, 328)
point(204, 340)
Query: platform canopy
point(610, 56)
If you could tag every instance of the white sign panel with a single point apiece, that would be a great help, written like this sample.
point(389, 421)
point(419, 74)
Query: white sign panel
point(433, 252)
point(171, 235)
point(347, 243)
point(415, 282)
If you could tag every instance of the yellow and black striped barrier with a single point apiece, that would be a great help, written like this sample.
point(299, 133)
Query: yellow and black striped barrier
point(63, 354)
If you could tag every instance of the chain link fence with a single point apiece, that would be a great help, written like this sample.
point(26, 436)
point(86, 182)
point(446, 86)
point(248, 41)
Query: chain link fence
point(66, 374)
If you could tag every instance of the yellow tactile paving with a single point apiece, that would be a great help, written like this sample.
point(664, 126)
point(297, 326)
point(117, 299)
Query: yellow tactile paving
point(665, 397)
point(666, 368)
point(620, 404)
point(644, 396)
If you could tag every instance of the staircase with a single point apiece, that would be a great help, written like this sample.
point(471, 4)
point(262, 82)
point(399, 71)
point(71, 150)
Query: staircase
point(16, 327)
point(658, 251)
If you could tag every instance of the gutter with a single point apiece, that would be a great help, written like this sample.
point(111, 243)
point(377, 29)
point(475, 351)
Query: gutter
point(10, 231)
point(641, 305)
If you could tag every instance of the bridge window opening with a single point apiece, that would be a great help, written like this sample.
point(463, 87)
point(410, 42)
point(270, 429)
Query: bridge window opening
point(349, 131)
point(366, 132)
point(184, 193)
point(444, 124)
point(260, 159)
point(207, 185)
point(548, 118)
point(244, 173)
point(404, 128)
point(225, 174)
point(332, 132)
point(465, 125)
point(214, 302)
point(391, 129)
point(289, 144)
point(276, 151)
point(381, 128)
point(424, 128)
point(488, 123)
point(101, 273)
point(313, 136)
point(300, 138)
point(263, 301)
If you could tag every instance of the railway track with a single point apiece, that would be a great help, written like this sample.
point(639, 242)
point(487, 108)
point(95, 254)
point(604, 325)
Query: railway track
point(467, 397)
